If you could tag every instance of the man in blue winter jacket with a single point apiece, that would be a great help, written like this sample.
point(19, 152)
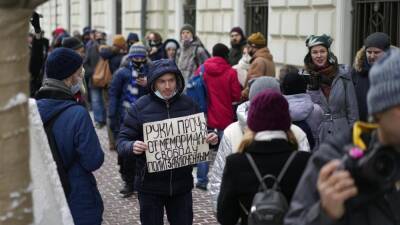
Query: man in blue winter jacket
point(72, 135)
point(172, 188)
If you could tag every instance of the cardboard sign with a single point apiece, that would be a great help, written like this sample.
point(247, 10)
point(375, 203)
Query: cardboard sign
point(176, 142)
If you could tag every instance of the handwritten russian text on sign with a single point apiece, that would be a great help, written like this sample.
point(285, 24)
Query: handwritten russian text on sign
point(176, 142)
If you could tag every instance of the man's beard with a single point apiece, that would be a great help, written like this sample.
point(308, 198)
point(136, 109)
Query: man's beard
point(235, 44)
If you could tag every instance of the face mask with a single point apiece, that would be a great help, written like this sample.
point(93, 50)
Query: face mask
point(153, 43)
point(158, 94)
point(246, 58)
point(76, 87)
point(137, 64)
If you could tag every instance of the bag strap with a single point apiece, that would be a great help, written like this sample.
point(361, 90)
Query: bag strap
point(256, 171)
point(61, 168)
point(285, 168)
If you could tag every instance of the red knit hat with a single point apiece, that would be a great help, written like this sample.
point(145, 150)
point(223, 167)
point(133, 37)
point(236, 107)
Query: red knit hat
point(269, 110)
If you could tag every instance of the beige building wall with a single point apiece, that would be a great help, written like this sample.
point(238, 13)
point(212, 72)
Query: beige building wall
point(214, 20)
point(55, 14)
point(131, 16)
point(291, 21)
point(79, 15)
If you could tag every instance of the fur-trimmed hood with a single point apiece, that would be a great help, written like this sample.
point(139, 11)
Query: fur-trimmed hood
point(360, 59)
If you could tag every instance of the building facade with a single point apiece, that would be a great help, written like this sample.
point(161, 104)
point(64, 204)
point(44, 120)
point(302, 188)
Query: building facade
point(285, 23)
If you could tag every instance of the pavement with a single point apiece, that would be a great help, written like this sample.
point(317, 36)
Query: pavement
point(123, 211)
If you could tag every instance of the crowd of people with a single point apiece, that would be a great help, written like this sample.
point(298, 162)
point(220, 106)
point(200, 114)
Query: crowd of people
point(252, 111)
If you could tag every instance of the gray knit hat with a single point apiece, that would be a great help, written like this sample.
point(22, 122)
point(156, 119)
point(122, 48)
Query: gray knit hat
point(261, 84)
point(384, 91)
point(137, 50)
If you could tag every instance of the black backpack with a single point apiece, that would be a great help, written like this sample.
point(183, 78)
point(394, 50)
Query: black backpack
point(269, 205)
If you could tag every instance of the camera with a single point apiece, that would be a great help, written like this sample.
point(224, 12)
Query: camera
point(377, 169)
point(313, 80)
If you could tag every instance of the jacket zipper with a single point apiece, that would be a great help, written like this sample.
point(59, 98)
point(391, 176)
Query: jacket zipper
point(170, 176)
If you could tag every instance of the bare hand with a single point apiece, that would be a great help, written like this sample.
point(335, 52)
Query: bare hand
point(335, 187)
point(212, 138)
point(142, 81)
point(139, 147)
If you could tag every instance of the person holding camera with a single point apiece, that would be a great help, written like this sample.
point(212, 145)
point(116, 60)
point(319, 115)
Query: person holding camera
point(330, 87)
point(355, 178)
point(128, 84)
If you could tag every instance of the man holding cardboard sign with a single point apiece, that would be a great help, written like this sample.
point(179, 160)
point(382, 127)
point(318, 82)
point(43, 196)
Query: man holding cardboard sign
point(175, 137)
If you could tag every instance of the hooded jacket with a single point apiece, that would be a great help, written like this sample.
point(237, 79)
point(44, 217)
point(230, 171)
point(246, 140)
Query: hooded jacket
point(230, 144)
point(261, 64)
point(150, 108)
point(79, 148)
point(302, 108)
point(191, 57)
point(359, 75)
point(223, 89)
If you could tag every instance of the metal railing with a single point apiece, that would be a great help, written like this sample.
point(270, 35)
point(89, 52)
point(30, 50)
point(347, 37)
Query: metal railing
point(371, 16)
point(256, 16)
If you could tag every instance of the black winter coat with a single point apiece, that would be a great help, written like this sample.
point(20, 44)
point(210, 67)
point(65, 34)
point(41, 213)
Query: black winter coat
point(359, 75)
point(150, 108)
point(240, 184)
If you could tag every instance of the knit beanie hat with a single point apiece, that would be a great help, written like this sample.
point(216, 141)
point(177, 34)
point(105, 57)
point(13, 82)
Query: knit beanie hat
point(188, 27)
point(261, 84)
point(269, 110)
point(378, 40)
point(119, 41)
point(384, 76)
point(62, 63)
point(257, 40)
point(172, 45)
point(137, 50)
point(220, 50)
point(72, 43)
point(293, 83)
point(133, 37)
point(238, 30)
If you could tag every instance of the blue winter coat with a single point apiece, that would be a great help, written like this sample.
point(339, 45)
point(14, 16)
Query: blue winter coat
point(80, 150)
point(150, 108)
point(118, 93)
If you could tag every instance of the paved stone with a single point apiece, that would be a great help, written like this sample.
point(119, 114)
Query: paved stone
point(124, 211)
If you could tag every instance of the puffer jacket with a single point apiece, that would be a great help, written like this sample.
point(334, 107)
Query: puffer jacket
point(150, 108)
point(302, 108)
point(79, 149)
point(230, 144)
point(190, 58)
point(340, 110)
point(305, 208)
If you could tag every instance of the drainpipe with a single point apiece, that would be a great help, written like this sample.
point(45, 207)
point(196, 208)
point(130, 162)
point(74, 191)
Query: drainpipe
point(143, 19)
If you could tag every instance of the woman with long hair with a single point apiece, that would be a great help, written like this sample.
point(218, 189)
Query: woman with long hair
point(270, 142)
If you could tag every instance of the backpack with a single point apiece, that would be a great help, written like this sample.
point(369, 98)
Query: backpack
point(197, 90)
point(102, 75)
point(269, 205)
point(306, 128)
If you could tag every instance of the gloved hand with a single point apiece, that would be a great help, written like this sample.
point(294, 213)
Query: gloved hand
point(315, 81)
point(35, 21)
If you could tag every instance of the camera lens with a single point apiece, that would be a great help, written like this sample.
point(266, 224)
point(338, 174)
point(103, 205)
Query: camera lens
point(385, 165)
